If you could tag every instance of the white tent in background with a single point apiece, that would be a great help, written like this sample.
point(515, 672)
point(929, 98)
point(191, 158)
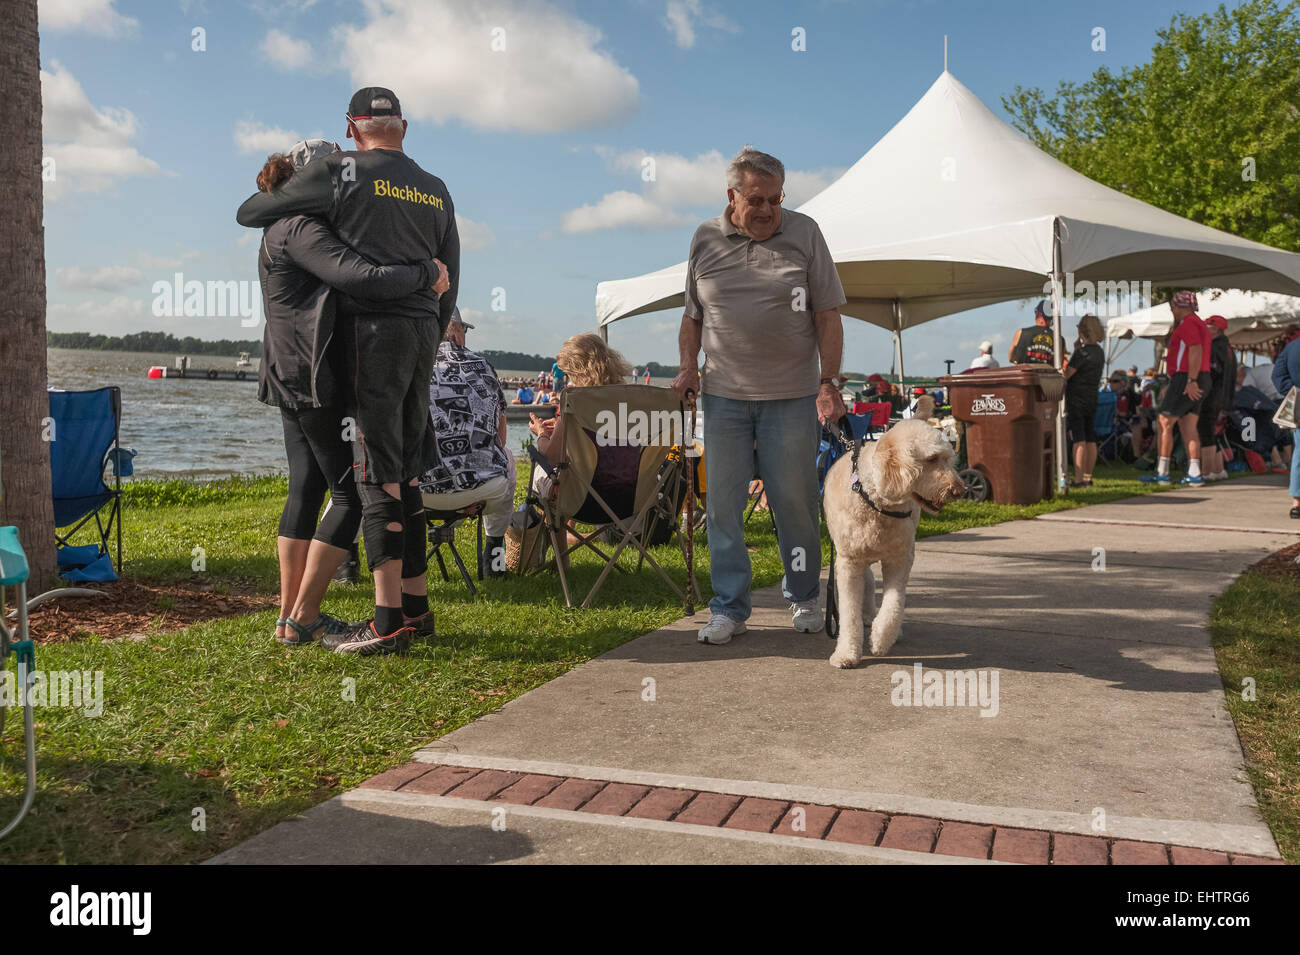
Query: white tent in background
point(954, 209)
point(1253, 318)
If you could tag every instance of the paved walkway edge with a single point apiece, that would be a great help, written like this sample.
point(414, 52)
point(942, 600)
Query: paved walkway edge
point(1247, 840)
point(360, 798)
point(1069, 518)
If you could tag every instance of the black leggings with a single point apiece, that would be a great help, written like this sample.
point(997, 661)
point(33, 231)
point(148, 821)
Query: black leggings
point(319, 461)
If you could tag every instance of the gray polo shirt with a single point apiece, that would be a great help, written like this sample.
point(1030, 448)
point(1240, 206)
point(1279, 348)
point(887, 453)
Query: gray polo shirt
point(756, 344)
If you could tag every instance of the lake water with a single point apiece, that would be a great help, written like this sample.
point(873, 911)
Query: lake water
point(193, 428)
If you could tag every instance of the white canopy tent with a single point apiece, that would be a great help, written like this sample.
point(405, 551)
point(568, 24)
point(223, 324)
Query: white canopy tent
point(953, 209)
point(1254, 318)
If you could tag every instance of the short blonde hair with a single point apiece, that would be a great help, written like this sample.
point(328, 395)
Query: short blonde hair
point(1090, 329)
point(588, 361)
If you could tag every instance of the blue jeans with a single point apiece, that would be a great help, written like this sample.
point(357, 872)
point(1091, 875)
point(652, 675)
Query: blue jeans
point(1295, 466)
point(785, 435)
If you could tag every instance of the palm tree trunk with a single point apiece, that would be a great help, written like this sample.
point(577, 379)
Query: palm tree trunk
point(26, 498)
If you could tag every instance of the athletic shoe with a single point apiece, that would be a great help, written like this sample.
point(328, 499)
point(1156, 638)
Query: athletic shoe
point(349, 571)
point(807, 616)
point(1280, 469)
point(1190, 481)
point(422, 625)
point(365, 641)
point(1164, 480)
point(1217, 476)
point(719, 630)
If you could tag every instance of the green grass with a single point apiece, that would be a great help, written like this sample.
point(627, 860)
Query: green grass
point(220, 718)
point(1255, 625)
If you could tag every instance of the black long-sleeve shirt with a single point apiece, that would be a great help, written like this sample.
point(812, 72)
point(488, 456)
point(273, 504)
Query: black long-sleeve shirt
point(300, 263)
point(385, 207)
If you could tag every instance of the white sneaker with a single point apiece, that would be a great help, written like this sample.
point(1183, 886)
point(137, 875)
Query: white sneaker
point(719, 630)
point(807, 616)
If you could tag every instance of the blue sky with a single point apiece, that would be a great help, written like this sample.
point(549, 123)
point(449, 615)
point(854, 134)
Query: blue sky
point(155, 143)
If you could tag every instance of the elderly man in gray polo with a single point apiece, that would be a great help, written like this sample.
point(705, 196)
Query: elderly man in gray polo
point(763, 299)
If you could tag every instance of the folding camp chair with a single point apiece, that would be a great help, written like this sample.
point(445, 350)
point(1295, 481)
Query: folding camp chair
point(14, 573)
point(442, 533)
point(83, 442)
point(876, 415)
point(622, 463)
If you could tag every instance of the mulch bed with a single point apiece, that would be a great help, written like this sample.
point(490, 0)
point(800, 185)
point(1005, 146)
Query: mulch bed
point(1284, 565)
point(133, 610)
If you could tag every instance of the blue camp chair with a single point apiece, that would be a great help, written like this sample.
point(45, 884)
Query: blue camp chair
point(83, 442)
point(1105, 425)
point(14, 573)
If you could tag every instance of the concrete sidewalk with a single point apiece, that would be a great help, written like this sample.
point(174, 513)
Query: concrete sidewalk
point(1109, 712)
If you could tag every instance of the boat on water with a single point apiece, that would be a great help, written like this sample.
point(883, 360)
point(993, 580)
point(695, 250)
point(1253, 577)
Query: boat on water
point(244, 361)
point(521, 412)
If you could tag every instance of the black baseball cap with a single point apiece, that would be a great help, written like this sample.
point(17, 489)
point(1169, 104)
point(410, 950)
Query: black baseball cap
point(374, 101)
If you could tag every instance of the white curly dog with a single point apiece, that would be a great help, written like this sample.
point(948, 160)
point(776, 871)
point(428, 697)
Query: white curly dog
point(908, 469)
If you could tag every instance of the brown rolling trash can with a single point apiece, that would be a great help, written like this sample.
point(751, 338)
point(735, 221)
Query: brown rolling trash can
point(1010, 416)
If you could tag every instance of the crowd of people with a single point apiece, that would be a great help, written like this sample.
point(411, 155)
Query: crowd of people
point(387, 410)
point(1219, 412)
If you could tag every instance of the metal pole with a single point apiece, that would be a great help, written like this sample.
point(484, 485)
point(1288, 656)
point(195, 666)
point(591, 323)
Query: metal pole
point(1058, 281)
point(898, 346)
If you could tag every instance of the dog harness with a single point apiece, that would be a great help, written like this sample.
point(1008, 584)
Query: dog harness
point(862, 492)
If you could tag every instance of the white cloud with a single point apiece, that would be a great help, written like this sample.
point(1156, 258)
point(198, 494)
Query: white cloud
point(255, 137)
point(619, 210)
point(91, 147)
point(84, 16)
point(120, 314)
point(108, 278)
point(474, 236)
point(286, 52)
point(681, 16)
point(438, 56)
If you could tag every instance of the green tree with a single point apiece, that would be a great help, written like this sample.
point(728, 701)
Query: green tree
point(1220, 95)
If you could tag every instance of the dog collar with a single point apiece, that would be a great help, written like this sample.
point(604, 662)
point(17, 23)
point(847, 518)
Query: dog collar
point(862, 492)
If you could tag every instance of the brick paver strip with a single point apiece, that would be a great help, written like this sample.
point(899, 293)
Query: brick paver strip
point(570, 794)
point(914, 833)
point(661, 803)
point(1025, 846)
point(857, 826)
point(616, 799)
point(396, 777)
point(751, 813)
point(486, 784)
point(815, 821)
point(964, 839)
point(1078, 850)
point(438, 781)
point(708, 809)
point(756, 815)
point(1182, 855)
point(529, 789)
point(1138, 853)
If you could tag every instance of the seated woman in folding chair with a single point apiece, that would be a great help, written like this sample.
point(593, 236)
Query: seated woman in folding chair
point(588, 362)
point(299, 263)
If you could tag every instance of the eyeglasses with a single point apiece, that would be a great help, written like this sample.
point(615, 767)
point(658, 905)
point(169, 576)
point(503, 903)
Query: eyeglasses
point(757, 202)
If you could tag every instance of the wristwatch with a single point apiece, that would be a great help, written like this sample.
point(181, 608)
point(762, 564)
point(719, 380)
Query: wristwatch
point(829, 381)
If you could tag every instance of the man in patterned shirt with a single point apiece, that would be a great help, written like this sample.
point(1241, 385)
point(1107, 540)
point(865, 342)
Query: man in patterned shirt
point(468, 409)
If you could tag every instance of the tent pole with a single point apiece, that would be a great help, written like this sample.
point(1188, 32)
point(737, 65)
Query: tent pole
point(898, 346)
point(604, 334)
point(1058, 283)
